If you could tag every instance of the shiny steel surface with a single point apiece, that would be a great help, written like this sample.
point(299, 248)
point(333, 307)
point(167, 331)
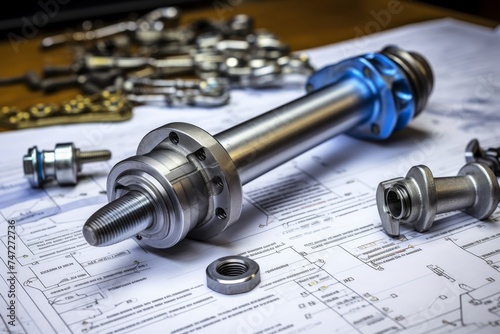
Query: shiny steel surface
point(61, 164)
point(232, 275)
point(417, 198)
point(193, 181)
point(265, 142)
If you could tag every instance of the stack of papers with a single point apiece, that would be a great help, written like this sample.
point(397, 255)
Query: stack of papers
point(311, 224)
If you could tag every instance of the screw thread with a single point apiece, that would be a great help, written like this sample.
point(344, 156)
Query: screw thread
point(93, 156)
point(398, 201)
point(119, 220)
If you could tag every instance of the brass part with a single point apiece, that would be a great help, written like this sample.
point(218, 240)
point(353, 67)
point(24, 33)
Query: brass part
point(102, 107)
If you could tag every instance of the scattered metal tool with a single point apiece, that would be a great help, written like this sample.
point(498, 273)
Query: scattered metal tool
point(221, 55)
point(61, 164)
point(185, 182)
point(229, 49)
point(212, 92)
point(30, 79)
point(231, 275)
point(418, 197)
point(153, 22)
point(242, 71)
point(489, 157)
point(88, 83)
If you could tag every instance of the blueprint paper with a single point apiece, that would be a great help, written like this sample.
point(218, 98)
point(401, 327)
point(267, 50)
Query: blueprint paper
point(311, 224)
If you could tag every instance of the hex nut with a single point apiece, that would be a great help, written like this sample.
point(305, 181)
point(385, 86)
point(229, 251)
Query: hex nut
point(231, 275)
point(31, 167)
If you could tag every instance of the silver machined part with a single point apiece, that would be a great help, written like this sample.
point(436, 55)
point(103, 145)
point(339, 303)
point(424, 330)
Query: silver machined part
point(207, 93)
point(193, 180)
point(61, 164)
point(232, 275)
point(418, 197)
point(486, 190)
point(65, 165)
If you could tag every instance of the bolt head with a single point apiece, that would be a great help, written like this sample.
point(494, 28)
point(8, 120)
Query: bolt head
point(30, 167)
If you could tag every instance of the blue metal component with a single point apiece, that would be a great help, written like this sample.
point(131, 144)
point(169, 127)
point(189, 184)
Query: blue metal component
point(39, 164)
point(390, 93)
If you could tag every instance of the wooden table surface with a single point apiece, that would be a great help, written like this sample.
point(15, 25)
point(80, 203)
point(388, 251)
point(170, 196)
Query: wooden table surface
point(300, 24)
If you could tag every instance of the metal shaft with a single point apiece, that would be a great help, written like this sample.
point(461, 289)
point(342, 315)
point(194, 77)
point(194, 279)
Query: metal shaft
point(257, 146)
point(265, 142)
point(454, 193)
point(192, 181)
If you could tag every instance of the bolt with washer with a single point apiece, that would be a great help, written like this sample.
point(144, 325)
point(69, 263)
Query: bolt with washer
point(231, 275)
point(63, 164)
point(418, 197)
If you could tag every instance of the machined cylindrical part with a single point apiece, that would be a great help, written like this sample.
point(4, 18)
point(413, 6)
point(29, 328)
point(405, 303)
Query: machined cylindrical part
point(49, 166)
point(417, 198)
point(193, 180)
point(454, 193)
point(62, 164)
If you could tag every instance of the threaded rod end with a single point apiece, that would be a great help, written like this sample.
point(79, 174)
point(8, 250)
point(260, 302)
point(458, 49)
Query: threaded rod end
point(93, 156)
point(119, 220)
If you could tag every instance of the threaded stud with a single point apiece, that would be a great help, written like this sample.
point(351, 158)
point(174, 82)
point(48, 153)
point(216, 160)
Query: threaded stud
point(84, 157)
point(119, 220)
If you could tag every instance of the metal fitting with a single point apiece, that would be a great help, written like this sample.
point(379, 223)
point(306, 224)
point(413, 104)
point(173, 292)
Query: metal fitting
point(489, 157)
point(231, 275)
point(184, 181)
point(63, 164)
point(417, 198)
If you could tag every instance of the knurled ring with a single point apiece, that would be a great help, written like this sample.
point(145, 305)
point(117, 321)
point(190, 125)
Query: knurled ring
point(231, 275)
